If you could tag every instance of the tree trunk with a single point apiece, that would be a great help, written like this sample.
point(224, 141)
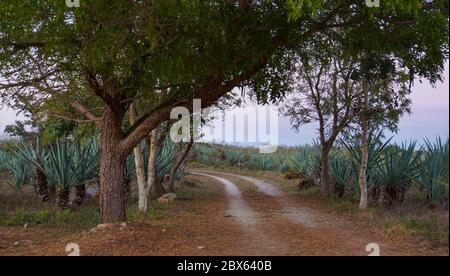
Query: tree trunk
point(395, 194)
point(112, 165)
point(152, 180)
point(325, 171)
point(41, 186)
point(364, 150)
point(80, 194)
point(143, 188)
point(52, 192)
point(176, 166)
point(62, 198)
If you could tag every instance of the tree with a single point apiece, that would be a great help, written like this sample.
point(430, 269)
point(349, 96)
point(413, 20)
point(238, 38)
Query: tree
point(325, 93)
point(60, 61)
point(384, 100)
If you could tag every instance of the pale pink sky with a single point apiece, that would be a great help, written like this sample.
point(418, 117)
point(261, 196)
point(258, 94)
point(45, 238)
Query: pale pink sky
point(429, 118)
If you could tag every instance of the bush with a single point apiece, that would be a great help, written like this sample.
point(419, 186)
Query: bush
point(434, 171)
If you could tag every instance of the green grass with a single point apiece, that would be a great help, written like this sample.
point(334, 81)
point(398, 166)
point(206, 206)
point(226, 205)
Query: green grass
point(80, 219)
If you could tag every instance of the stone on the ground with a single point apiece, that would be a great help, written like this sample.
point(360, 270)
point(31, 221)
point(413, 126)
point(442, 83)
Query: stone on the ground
point(167, 198)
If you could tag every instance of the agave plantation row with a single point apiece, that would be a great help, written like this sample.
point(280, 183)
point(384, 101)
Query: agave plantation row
point(66, 165)
point(392, 169)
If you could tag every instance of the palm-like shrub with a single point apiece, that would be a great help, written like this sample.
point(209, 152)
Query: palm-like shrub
point(64, 164)
point(375, 148)
point(344, 172)
point(206, 155)
point(434, 170)
point(398, 170)
point(262, 162)
point(19, 172)
point(306, 161)
point(3, 159)
point(35, 156)
point(234, 157)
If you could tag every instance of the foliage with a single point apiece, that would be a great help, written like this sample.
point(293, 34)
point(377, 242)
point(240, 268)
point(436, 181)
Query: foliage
point(434, 170)
point(65, 164)
point(262, 162)
point(375, 149)
point(233, 157)
point(398, 170)
point(305, 160)
point(19, 171)
point(344, 172)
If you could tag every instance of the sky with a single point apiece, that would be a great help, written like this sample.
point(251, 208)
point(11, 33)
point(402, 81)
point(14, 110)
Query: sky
point(429, 118)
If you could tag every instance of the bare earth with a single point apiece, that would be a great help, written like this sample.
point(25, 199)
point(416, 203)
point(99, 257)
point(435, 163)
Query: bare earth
point(224, 214)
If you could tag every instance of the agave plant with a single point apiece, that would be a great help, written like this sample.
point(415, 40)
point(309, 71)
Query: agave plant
point(69, 165)
point(434, 170)
point(235, 157)
point(376, 149)
point(35, 155)
point(166, 157)
point(86, 161)
point(398, 170)
point(306, 161)
point(262, 162)
point(19, 171)
point(3, 159)
point(344, 173)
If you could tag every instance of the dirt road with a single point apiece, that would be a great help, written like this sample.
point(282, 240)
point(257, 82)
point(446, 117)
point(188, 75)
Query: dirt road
point(220, 214)
point(279, 225)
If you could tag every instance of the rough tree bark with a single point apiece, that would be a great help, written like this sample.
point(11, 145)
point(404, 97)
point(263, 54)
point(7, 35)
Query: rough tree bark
point(152, 180)
point(41, 186)
point(112, 165)
point(143, 188)
point(325, 171)
point(80, 194)
point(62, 198)
point(364, 149)
point(176, 165)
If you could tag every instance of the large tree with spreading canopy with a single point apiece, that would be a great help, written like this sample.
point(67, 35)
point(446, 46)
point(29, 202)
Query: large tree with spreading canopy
point(88, 64)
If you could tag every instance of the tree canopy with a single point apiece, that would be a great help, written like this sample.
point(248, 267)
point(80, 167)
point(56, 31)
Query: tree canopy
point(88, 64)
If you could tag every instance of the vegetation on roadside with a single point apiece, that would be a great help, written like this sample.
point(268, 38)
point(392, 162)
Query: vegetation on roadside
point(393, 169)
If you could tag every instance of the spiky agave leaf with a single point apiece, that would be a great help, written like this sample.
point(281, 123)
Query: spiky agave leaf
point(344, 172)
point(19, 172)
point(3, 159)
point(71, 164)
point(262, 162)
point(305, 160)
point(399, 169)
point(376, 148)
point(434, 170)
point(86, 161)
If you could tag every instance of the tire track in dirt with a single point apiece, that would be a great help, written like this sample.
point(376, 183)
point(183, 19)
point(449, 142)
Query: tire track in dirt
point(248, 220)
point(322, 233)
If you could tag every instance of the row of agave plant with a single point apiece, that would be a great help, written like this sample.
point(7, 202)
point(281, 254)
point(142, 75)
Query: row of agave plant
point(54, 169)
point(392, 169)
point(63, 166)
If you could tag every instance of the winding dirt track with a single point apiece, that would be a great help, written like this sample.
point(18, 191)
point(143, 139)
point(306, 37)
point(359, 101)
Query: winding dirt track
point(221, 214)
point(280, 225)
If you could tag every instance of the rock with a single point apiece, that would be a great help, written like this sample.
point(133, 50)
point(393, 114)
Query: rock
point(23, 242)
point(167, 198)
point(110, 226)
